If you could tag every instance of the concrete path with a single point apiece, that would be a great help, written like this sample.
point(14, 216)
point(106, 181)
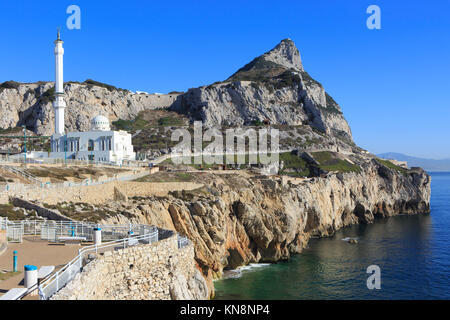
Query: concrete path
point(37, 252)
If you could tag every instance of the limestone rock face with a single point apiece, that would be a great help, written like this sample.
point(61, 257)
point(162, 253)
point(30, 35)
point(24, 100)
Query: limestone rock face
point(285, 54)
point(273, 88)
point(194, 289)
point(30, 104)
point(236, 220)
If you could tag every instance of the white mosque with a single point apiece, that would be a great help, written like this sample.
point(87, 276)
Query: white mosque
point(98, 144)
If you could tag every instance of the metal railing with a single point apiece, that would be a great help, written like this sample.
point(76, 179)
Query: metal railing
point(3, 223)
point(118, 237)
point(37, 160)
point(51, 230)
point(14, 232)
point(60, 279)
point(32, 227)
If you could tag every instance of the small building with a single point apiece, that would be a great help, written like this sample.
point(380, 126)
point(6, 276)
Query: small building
point(403, 164)
point(98, 144)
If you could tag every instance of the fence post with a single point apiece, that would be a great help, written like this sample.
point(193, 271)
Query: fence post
point(57, 282)
point(15, 261)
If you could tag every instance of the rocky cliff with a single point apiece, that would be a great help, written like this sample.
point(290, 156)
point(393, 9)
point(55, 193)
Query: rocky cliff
point(273, 88)
point(30, 104)
point(235, 220)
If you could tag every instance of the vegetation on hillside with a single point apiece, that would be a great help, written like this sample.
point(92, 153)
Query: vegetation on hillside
point(47, 96)
point(6, 211)
point(390, 165)
point(273, 76)
point(167, 177)
point(151, 119)
point(152, 125)
point(11, 131)
point(92, 83)
point(329, 162)
point(294, 165)
point(331, 106)
point(84, 211)
point(308, 79)
point(10, 85)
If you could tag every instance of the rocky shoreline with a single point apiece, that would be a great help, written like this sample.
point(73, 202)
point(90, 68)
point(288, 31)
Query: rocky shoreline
point(235, 220)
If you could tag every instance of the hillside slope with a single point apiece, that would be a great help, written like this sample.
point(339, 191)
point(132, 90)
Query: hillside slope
point(30, 104)
point(273, 88)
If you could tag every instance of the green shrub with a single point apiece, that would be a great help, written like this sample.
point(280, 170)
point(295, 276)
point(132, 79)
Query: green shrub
point(10, 85)
point(91, 82)
point(329, 162)
point(48, 96)
point(294, 165)
point(392, 166)
point(170, 121)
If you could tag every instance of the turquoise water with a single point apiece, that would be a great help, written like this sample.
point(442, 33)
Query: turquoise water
point(413, 253)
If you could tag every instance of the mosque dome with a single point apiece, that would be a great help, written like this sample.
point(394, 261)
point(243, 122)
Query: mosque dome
point(100, 123)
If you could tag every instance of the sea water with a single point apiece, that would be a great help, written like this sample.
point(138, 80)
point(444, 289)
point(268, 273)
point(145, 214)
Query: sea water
point(412, 251)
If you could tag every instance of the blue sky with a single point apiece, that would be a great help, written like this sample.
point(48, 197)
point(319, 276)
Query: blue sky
point(393, 84)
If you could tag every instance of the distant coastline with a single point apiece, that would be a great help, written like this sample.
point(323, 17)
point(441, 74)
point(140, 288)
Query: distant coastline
point(429, 165)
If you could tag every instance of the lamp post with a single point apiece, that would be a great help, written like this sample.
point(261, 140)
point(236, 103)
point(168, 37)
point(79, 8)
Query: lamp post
point(65, 149)
point(25, 141)
point(15, 261)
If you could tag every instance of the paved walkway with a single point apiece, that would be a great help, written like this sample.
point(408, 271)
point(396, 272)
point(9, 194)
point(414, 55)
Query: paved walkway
point(37, 252)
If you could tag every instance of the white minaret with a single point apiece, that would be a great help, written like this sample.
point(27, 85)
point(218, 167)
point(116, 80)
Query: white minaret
point(59, 103)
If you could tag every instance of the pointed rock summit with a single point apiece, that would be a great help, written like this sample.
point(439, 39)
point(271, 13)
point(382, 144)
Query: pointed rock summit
point(272, 88)
point(285, 54)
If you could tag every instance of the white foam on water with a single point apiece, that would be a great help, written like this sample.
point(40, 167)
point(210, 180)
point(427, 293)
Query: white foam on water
point(253, 266)
point(237, 273)
point(232, 274)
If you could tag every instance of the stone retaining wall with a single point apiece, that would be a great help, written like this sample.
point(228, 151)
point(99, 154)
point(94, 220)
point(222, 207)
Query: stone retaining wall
point(97, 194)
point(154, 271)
